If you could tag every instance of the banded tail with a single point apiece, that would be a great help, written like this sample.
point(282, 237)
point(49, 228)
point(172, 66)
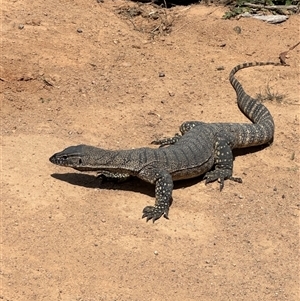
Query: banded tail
point(252, 108)
point(262, 131)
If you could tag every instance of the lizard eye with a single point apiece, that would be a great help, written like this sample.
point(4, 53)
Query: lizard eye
point(80, 161)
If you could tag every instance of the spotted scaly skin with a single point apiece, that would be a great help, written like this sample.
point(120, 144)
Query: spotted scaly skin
point(200, 149)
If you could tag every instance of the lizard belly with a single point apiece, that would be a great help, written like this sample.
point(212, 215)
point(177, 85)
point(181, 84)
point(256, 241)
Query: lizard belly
point(194, 171)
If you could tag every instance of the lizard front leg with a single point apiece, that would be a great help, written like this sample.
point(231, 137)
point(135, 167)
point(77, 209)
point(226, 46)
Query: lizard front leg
point(163, 192)
point(112, 176)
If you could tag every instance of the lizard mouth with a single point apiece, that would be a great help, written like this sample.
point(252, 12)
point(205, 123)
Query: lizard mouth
point(55, 160)
point(65, 161)
point(62, 161)
point(52, 159)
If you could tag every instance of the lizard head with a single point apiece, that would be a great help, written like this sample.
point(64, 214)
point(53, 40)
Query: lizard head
point(73, 156)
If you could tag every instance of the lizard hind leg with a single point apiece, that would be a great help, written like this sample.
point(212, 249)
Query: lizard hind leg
point(223, 164)
point(188, 125)
point(184, 128)
point(166, 141)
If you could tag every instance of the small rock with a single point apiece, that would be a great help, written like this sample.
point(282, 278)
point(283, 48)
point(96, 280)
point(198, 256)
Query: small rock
point(21, 26)
point(155, 252)
point(79, 30)
point(161, 74)
point(237, 29)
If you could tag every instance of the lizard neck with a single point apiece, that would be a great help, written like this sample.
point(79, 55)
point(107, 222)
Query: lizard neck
point(97, 159)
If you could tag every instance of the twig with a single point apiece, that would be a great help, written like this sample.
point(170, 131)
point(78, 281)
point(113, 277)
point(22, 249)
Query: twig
point(185, 24)
point(133, 24)
point(271, 7)
point(282, 55)
point(47, 83)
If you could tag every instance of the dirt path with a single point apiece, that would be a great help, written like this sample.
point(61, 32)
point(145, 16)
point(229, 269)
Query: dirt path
point(80, 73)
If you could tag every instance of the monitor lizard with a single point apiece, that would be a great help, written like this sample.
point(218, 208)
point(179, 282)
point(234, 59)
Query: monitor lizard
point(201, 148)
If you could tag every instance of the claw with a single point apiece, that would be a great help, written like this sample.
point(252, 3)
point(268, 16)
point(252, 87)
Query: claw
point(221, 181)
point(238, 180)
point(151, 212)
point(167, 141)
point(213, 176)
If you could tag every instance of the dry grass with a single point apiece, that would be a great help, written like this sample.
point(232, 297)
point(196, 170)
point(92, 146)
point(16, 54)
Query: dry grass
point(270, 95)
point(148, 18)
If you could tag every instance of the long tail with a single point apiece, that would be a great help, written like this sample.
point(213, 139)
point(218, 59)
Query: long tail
point(262, 131)
point(253, 109)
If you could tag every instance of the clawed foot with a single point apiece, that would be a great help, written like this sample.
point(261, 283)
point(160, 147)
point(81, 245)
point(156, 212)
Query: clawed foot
point(221, 176)
point(167, 141)
point(154, 213)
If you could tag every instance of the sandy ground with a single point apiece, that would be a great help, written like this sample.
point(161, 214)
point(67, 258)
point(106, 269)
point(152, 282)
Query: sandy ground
point(80, 72)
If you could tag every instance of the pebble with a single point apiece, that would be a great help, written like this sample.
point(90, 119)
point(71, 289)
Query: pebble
point(79, 30)
point(21, 26)
point(237, 29)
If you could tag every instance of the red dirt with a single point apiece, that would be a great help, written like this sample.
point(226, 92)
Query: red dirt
point(65, 237)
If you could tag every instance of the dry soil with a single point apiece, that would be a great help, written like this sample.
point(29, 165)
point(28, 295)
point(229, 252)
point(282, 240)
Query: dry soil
point(79, 71)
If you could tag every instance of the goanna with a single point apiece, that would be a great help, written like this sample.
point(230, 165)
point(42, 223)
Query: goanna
point(201, 148)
